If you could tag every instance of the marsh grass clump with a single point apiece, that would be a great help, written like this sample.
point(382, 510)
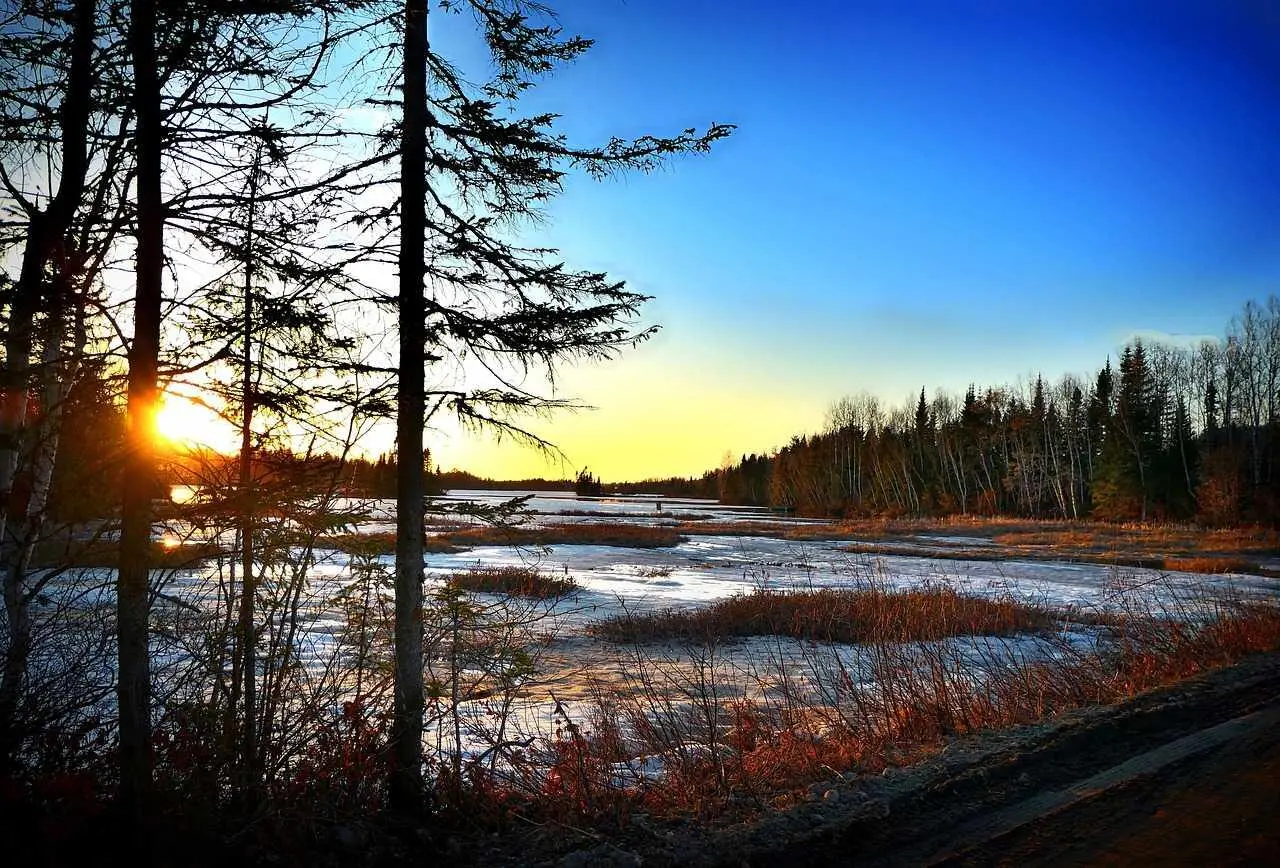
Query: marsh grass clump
point(587, 534)
point(452, 540)
point(864, 615)
point(1180, 548)
point(1147, 539)
point(384, 543)
point(514, 581)
point(1210, 565)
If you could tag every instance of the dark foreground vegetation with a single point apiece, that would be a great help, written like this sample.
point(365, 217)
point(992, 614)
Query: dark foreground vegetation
point(728, 747)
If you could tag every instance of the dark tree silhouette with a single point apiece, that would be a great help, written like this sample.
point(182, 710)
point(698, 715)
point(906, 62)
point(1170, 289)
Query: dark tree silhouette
point(132, 597)
point(470, 169)
point(406, 734)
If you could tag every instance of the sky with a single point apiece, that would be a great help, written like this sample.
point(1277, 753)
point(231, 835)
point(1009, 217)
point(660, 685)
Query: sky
point(918, 194)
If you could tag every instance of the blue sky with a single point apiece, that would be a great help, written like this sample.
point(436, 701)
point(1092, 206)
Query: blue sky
point(918, 194)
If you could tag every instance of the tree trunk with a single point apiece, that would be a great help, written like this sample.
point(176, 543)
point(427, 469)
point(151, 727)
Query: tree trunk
point(24, 528)
point(132, 594)
point(406, 779)
point(246, 634)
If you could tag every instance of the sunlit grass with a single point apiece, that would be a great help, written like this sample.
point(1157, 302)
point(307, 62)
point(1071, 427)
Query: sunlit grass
point(514, 581)
point(1150, 539)
point(592, 534)
point(903, 701)
point(383, 543)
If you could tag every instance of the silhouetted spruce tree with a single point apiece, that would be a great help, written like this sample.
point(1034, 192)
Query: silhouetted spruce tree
point(1180, 462)
point(1123, 484)
point(471, 167)
point(1098, 425)
point(197, 67)
point(587, 485)
point(132, 591)
point(1211, 411)
point(1081, 460)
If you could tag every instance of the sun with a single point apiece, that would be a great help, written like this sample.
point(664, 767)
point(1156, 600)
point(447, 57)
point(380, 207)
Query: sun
point(182, 422)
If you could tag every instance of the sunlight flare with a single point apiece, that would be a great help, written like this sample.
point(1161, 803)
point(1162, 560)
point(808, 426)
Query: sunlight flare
point(182, 422)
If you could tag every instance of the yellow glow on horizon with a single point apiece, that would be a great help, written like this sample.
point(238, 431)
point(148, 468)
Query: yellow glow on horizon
point(642, 428)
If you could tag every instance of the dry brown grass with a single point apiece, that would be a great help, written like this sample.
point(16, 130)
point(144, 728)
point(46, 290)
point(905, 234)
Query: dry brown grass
point(514, 581)
point(862, 615)
point(593, 534)
point(1210, 565)
point(460, 540)
point(1183, 548)
point(730, 756)
point(384, 543)
point(1027, 537)
point(778, 529)
point(1150, 540)
point(1164, 547)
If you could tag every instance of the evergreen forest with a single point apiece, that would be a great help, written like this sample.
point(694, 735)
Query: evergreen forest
point(1165, 433)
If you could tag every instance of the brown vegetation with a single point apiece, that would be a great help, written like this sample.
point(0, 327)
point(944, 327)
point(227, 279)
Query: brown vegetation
point(1149, 539)
point(1211, 565)
point(514, 581)
point(383, 543)
point(459, 540)
point(730, 756)
point(721, 753)
point(593, 534)
point(1169, 547)
point(863, 615)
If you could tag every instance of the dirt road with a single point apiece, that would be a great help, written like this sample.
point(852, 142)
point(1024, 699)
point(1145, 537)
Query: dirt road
point(1216, 806)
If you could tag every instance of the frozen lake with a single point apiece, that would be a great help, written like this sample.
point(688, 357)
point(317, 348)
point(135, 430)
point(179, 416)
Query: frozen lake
point(709, 567)
point(567, 666)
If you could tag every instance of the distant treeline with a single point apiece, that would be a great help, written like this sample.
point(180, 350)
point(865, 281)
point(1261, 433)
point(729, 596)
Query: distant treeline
point(1171, 432)
point(707, 486)
point(461, 479)
point(350, 476)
